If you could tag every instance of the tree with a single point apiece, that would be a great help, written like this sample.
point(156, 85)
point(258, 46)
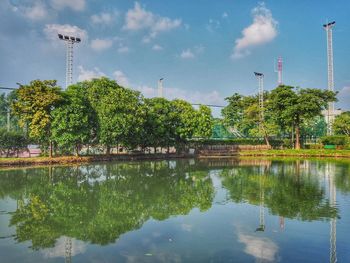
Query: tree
point(293, 107)
point(34, 105)
point(74, 121)
point(243, 114)
point(11, 142)
point(118, 112)
point(205, 122)
point(341, 123)
point(186, 122)
point(233, 112)
point(159, 124)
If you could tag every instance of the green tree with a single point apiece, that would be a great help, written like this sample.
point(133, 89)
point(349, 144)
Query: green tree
point(11, 142)
point(293, 107)
point(341, 123)
point(233, 112)
point(34, 105)
point(118, 111)
point(205, 122)
point(74, 121)
point(186, 122)
point(159, 124)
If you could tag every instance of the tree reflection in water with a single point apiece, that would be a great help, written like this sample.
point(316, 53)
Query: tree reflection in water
point(98, 203)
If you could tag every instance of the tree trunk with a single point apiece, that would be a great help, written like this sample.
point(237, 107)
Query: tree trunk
point(108, 150)
point(266, 137)
point(297, 137)
point(50, 150)
point(77, 150)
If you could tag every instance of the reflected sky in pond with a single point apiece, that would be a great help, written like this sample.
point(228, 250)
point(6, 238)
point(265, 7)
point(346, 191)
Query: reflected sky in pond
point(177, 211)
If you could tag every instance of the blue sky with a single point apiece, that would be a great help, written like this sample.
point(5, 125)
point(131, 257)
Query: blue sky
point(206, 50)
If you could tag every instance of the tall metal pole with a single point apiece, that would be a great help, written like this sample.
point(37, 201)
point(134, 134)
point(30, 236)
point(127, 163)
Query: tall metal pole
point(330, 113)
point(70, 41)
point(69, 66)
point(260, 77)
point(330, 174)
point(160, 88)
point(8, 120)
point(279, 71)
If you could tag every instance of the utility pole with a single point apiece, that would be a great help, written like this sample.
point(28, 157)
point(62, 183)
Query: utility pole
point(160, 88)
point(330, 113)
point(70, 41)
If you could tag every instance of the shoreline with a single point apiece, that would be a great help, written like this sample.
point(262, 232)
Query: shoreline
point(67, 160)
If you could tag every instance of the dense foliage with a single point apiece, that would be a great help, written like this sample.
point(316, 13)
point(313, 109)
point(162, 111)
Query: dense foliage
point(288, 111)
point(101, 112)
point(342, 123)
point(335, 140)
point(11, 142)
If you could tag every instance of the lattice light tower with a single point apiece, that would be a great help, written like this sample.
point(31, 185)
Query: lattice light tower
point(330, 112)
point(260, 77)
point(160, 88)
point(279, 71)
point(70, 41)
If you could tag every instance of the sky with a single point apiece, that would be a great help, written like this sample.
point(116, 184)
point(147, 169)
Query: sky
point(205, 50)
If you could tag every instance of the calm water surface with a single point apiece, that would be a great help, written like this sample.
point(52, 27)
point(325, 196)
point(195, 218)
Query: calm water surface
point(177, 211)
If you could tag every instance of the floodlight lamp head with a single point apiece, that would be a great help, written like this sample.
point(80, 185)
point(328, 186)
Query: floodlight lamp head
point(329, 24)
point(161, 79)
point(60, 36)
point(258, 74)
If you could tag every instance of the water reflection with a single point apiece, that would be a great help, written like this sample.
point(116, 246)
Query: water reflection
point(62, 209)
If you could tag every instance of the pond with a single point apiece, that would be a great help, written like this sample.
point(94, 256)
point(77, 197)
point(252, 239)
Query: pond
point(221, 210)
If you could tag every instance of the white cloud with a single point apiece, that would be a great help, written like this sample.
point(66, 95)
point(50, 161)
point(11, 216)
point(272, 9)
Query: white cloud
point(121, 78)
point(101, 44)
point(225, 15)
point(51, 31)
point(187, 54)
point(59, 250)
point(213, 25)
point(261, 31)
point(193, 96)
point(261, 248)
point(36, 12)
point(123, 49)
point(85, 74)
point(103, 18)
point(139, 18)
point(157, 47)
point(76, 5)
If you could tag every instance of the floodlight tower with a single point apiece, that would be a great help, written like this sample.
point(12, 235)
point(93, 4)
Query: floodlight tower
point(260, 77)
point(279, 71)
point(160, 88)
point(69, 63)
point(330, 113)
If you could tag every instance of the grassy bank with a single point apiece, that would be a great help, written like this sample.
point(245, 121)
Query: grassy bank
point(5, 162)
point(299, 153)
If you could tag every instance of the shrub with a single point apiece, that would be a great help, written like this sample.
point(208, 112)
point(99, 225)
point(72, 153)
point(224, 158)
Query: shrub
point(11, 142)
point(237, 141)
point(335, 140)
point(313, 146)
